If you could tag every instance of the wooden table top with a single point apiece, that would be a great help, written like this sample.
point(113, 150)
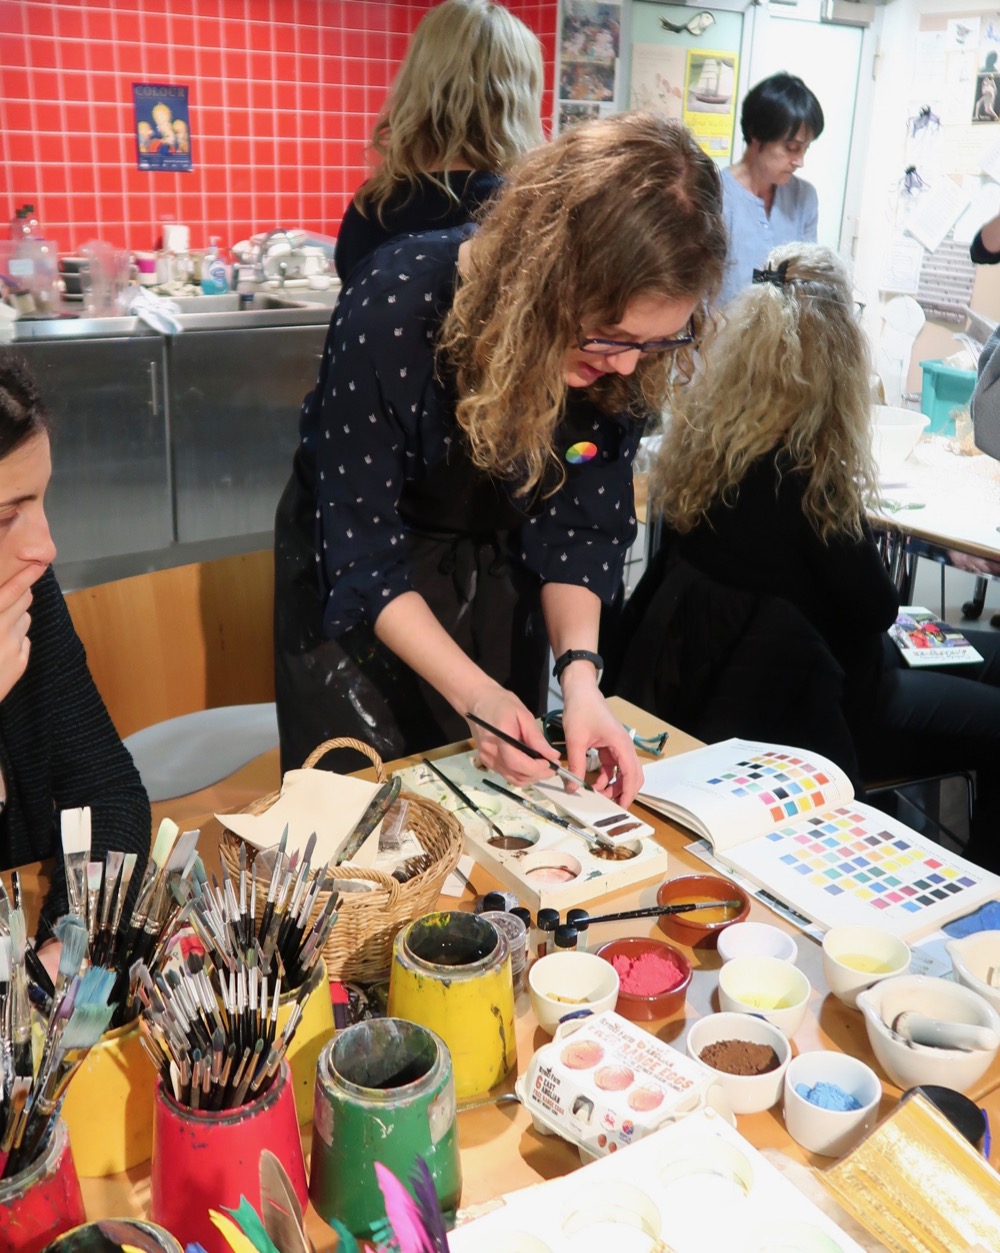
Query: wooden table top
point(500, 1149)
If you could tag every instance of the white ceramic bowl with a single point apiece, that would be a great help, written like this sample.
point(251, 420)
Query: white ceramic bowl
point(909, 1065)
point(973, 958)
point(768, 986)
point(583, 981)
point(756, 939)
point(830, 1132)
point(747, 1094)
point(895, 433)
point(856, 957)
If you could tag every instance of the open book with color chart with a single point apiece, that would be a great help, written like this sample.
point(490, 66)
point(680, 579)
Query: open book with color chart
point(787, 819)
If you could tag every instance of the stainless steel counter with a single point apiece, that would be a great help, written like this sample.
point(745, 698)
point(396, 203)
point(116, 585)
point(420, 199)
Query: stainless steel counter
point(197, 313)
point(163, 443)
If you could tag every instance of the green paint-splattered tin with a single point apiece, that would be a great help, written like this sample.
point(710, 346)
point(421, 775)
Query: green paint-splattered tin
point(384, 1092)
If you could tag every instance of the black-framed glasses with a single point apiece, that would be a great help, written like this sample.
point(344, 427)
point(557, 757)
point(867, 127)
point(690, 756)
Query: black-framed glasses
point(613, 347)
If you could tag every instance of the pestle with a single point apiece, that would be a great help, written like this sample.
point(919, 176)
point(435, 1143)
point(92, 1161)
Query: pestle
point(918, 1029)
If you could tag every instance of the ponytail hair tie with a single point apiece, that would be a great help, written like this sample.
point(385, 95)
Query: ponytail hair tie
point(776, 277)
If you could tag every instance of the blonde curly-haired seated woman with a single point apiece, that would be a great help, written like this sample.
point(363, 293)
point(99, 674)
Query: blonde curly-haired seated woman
point(462, 495)
point(765, 613)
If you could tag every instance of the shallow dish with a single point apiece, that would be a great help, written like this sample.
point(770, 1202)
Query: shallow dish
point(644, 1006)
point(774, 989)
point(568, 983)
point(910, 1065)
point(700, 929)
point(973, 959)
point(747, 1094)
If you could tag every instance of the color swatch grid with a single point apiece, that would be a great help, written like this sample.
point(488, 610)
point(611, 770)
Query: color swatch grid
point(842, 852)
point(783, 782)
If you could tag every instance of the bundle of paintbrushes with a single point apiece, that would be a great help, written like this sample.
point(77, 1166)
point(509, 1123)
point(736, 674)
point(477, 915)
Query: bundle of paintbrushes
point(287, 940)
point(212, 1026)
point(119, 935)
point(213, 1018)
point(34, 1077)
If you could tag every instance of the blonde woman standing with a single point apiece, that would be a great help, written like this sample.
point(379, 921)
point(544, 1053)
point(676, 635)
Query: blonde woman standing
point(464, 106)
point(462, 495)
point(765, 615)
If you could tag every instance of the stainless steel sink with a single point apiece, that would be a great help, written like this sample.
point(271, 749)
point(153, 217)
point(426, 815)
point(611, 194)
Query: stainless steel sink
point(196, 313)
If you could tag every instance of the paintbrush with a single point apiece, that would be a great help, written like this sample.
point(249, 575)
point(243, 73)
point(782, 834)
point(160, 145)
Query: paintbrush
point(654, 911)
point(583, 829)
point(530, 752)
point(75, 830)
point(466, 800)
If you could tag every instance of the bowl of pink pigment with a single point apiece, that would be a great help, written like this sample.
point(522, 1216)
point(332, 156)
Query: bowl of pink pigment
point(653, 977)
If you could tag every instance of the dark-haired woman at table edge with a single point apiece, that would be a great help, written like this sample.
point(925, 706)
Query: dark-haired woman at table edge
point(58, 747)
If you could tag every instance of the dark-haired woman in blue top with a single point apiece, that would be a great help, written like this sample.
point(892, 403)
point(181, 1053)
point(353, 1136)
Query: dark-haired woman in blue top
point(764, 202)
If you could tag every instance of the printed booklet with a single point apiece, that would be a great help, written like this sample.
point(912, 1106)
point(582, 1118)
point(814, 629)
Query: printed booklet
point(925, 640)
point(787, 820)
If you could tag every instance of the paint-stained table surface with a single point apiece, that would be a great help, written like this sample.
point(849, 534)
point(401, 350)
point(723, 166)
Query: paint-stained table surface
point(500, 1149)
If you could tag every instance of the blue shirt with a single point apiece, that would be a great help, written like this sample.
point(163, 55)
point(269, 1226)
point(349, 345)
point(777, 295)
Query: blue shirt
point(752, 233)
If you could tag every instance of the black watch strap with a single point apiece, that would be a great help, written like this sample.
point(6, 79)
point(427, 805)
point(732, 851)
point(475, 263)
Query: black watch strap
point(576, 654)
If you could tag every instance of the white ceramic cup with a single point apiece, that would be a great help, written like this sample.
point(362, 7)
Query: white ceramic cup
point(829, 1132)
point(774, 989)
point(747, 1094)
point(756, 939)
point(857, 956)
point(584, 981)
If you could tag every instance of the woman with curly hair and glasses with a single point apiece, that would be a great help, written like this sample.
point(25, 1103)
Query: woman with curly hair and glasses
point(462, 495)
point(465, 105)
point(765, 613)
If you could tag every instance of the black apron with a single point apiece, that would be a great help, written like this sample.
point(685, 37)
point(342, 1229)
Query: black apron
point(458, 520)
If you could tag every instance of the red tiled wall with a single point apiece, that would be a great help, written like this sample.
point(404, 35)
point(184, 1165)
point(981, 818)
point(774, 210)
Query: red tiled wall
point(282, 97)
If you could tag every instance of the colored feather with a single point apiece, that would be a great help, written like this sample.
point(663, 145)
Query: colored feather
point(250, 1224)
point(346, 1242)
point(231, 1233)
point(426, 1197)
point(280, 1208)
point(403, 1229)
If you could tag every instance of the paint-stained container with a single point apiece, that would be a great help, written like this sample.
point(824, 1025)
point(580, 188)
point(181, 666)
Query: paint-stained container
point(314, 1030)
point(451, 973)
point(205, 1160)
point(384, 1092)
point(109, 1105)
point(41, 1202)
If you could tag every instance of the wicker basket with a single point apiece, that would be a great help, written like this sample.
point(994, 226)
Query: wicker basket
point(359, 946)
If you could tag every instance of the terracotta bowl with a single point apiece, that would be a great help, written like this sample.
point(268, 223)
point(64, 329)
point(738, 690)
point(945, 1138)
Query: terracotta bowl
point(699, 929)
point(645, 1008)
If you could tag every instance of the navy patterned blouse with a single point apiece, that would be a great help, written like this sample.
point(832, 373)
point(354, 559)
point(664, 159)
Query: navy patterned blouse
point(380, 426)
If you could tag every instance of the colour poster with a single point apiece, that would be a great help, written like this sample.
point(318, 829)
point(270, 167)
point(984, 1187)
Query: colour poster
point(162, 126)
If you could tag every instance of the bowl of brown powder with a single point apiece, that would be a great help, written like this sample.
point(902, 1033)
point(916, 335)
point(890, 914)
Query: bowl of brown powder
point(748, 1056)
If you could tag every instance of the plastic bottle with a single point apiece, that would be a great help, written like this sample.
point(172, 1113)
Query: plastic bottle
point(213, 271)
point(33, 228)
point(19, 225)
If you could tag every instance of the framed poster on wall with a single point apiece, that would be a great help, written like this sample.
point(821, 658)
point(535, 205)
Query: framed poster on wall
point(589, 57)
point(710, 99)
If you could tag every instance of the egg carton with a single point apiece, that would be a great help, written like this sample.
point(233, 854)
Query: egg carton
point(696, 1186)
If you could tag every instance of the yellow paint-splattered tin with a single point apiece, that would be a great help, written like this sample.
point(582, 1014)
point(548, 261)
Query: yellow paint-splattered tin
point(451, 973)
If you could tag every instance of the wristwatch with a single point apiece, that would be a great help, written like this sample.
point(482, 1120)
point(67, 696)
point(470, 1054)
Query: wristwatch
point(577, 654)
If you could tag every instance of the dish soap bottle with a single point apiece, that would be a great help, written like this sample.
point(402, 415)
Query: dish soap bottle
point(213, 270)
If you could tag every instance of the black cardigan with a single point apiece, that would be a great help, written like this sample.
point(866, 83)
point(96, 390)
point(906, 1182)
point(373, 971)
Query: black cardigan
point(59, 750)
